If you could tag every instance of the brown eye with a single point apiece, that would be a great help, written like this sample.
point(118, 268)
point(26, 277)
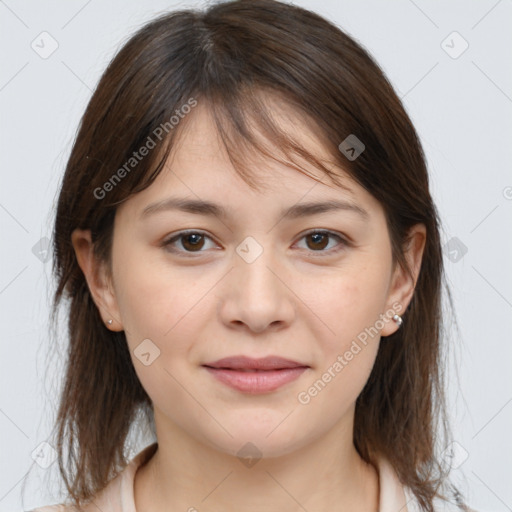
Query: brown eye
point(192, 241)
point(187, 242)
point(319, 241)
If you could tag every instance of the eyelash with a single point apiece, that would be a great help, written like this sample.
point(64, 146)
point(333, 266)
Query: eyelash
point(168, 242)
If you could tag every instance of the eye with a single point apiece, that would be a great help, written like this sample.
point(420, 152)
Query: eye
point(189, 241)
point(194, 241)
point(317, 241)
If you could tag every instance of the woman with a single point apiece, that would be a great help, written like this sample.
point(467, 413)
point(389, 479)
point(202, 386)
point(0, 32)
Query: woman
point(252, 260)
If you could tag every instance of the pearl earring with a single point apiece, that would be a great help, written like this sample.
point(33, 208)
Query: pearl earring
point(398, 320)
point(109, 321)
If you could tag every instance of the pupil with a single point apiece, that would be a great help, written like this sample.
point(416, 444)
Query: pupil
point(317, 238)
point(193, 241)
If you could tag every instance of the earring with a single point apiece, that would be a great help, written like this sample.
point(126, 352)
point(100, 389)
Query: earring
point(398, 320)
point(109, 321)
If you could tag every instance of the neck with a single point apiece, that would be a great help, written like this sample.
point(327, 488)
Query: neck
point(327, 474)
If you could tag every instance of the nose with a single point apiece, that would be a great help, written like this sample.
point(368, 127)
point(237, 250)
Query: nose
point(256, 295)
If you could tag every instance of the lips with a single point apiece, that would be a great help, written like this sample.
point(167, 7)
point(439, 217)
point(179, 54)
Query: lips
point(255, 376)
point(244, 363)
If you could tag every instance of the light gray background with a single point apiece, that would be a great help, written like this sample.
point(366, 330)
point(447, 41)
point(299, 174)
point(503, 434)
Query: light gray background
point(460, 106)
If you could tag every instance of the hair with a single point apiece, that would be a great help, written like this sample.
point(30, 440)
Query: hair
point(233, 57)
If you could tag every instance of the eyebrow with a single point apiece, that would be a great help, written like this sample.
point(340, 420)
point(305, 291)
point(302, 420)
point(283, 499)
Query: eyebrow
point(208, 208)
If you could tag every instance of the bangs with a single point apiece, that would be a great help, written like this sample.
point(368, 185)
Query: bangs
point(249, 123)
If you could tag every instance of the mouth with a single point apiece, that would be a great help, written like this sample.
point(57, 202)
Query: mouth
point(245, 363)
point(255, 376)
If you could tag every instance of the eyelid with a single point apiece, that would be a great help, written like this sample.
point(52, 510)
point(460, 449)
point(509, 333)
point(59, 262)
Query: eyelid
point(167, 241)
point(326, 231)
point(344, 240)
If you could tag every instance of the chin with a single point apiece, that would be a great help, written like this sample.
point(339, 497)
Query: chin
point(255, 439)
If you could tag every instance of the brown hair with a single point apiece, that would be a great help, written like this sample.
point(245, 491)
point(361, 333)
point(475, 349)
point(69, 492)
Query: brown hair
point(231, 57)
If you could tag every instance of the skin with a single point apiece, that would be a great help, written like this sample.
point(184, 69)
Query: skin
point(301, 299)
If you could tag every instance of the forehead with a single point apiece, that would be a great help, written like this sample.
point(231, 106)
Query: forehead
point(200, 167)
point(201, 124)
point(199, 145)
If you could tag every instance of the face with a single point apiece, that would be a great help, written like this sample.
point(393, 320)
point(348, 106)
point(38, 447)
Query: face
point(190, 288)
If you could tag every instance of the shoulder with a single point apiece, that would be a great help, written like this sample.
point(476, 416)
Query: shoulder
point(117, 495)
point(50, 508)
point(107, 500)
point(61, 508)
point(394, 495)
point(454, 504)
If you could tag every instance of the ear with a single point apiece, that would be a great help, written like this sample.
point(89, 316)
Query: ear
point(402, 284)
point(98, 280)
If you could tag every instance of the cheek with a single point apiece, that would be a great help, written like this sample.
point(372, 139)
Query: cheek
point(162, 308)
point(348, 303)
point(346, 351)
point(152, 296)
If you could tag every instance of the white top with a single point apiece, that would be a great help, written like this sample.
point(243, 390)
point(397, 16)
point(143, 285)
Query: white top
point(118, 495)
